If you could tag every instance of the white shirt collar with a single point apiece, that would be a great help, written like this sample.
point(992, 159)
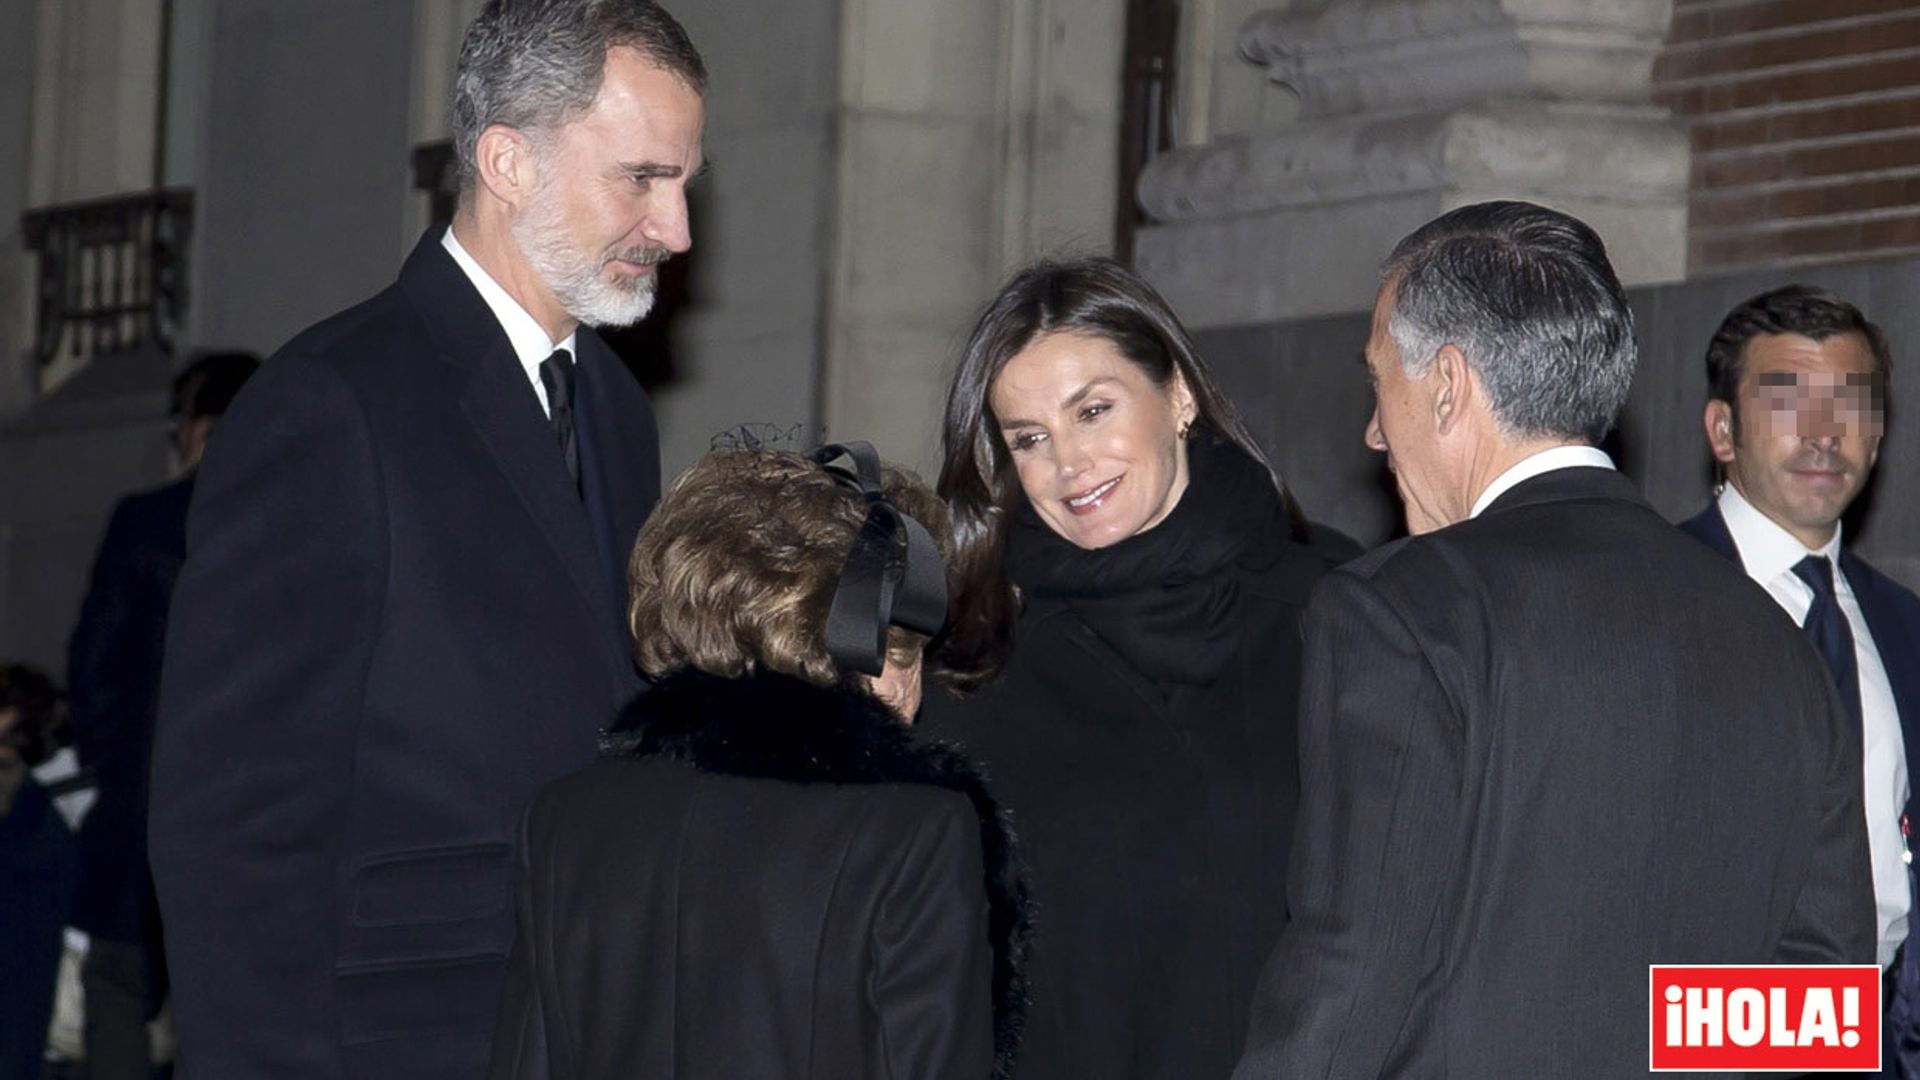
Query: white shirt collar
point(1546, 461)
point(528, 337)
point(1766, 549)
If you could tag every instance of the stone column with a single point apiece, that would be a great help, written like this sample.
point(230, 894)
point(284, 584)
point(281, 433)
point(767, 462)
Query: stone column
point(303, 193)
point(17, 375)
point(97, 73)
point(971, 138)
point(1406, 109)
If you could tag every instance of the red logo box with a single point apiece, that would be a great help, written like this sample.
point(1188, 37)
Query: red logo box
point(1763, 1017)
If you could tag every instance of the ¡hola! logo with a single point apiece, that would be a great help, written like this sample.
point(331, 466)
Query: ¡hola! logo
point(1763, 1018)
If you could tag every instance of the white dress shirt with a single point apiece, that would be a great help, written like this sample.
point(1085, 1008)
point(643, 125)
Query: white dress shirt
point(1769, 554)
point(1546, 461)
point(530, 341)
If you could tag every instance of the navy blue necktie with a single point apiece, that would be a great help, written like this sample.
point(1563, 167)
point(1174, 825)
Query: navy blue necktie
point(1827, 628)
point(556, 375)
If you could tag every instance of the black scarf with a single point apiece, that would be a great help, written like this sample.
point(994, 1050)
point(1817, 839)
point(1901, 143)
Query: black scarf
point(777, 727)
point(1166, 599)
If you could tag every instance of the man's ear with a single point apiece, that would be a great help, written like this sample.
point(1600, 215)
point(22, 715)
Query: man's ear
point(505, 166)
point(1718, 420)
point(1453, 388)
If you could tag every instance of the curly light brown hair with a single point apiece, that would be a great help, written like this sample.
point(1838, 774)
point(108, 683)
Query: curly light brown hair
point(736, 569)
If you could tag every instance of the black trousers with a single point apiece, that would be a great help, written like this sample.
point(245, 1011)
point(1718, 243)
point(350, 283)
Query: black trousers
point(124, 985)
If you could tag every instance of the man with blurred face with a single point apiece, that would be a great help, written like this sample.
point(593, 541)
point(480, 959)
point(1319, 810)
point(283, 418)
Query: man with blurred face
point(1797, 389)
point(402, 609)
point(1517, 787)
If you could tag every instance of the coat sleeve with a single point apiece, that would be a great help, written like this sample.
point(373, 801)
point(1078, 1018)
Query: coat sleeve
point(107, 654)
point(1380, 760)
point(932, 982)
point(262, 689)
point(520, 1043)
point(1833, 919)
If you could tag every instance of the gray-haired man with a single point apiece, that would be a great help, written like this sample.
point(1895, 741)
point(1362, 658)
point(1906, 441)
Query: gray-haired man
point(401, 610)
point(1521, 783)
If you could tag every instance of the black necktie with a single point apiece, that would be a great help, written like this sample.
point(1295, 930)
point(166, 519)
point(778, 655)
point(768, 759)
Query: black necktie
point(556, 374)
point(1827, 628)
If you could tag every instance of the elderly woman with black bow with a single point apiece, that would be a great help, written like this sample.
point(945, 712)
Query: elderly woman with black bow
point(767, 874)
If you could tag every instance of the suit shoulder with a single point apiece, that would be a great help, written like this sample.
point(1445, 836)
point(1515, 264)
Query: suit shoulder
point(359, 340)
point(1529, 548)
point(1411, 563)
point(1869, 580)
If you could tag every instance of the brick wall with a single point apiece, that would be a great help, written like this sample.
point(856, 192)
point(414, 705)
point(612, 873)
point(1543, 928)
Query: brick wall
point(1805, 119)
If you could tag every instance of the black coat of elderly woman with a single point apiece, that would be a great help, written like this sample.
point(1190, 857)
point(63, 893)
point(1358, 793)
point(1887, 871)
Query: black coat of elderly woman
point(1130, 580)
point(767, 874)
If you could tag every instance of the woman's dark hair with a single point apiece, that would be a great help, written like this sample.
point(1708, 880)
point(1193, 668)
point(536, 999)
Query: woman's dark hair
point(1096, 297)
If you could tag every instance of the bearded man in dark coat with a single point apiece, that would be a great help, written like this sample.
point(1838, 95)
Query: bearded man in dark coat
point(401, 610)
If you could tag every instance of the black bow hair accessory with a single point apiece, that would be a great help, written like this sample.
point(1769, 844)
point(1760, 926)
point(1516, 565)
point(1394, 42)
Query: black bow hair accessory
point(893, 576)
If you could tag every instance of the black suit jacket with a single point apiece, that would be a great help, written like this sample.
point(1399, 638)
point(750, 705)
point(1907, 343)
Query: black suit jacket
point(113, 679)
point(1540, 750)
point(397, 619)
point(1893, 618)
point(1892, 612)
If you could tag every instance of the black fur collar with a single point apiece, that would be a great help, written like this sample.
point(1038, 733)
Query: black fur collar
point(776, 727)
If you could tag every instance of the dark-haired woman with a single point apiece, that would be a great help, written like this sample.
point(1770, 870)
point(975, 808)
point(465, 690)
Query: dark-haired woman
point(767, 875)
point(1125, 631)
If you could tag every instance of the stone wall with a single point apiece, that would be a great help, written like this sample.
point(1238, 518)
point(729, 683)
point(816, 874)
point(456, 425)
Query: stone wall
point(1805, 122)
point(1304, 391)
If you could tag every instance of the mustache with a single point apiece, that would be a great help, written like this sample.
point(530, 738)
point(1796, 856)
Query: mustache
point(1820, 460)
point(641, 256)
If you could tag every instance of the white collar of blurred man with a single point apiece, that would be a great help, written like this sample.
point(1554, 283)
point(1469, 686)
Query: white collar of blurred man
point(1805, 435)
point(573, 222)
point(1443, 442)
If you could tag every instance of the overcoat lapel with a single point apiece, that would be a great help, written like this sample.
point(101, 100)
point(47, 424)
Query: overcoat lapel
point(495, 396)
point(618, 490)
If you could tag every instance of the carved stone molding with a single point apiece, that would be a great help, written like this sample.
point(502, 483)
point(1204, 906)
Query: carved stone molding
point(1621, 154)
point(1352, 56)
point(1409, 108)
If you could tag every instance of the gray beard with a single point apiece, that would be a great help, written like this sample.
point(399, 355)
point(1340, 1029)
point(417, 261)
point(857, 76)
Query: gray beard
point(575, 278)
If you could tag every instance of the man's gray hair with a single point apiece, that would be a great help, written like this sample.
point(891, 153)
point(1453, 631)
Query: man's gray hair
point(533, 65)
point(1527, 294)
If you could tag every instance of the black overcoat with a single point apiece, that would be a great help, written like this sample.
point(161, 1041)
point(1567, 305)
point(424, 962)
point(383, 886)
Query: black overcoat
point(397, 619)
point(763, 878)
point(1142, 735)
point(113, 685)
